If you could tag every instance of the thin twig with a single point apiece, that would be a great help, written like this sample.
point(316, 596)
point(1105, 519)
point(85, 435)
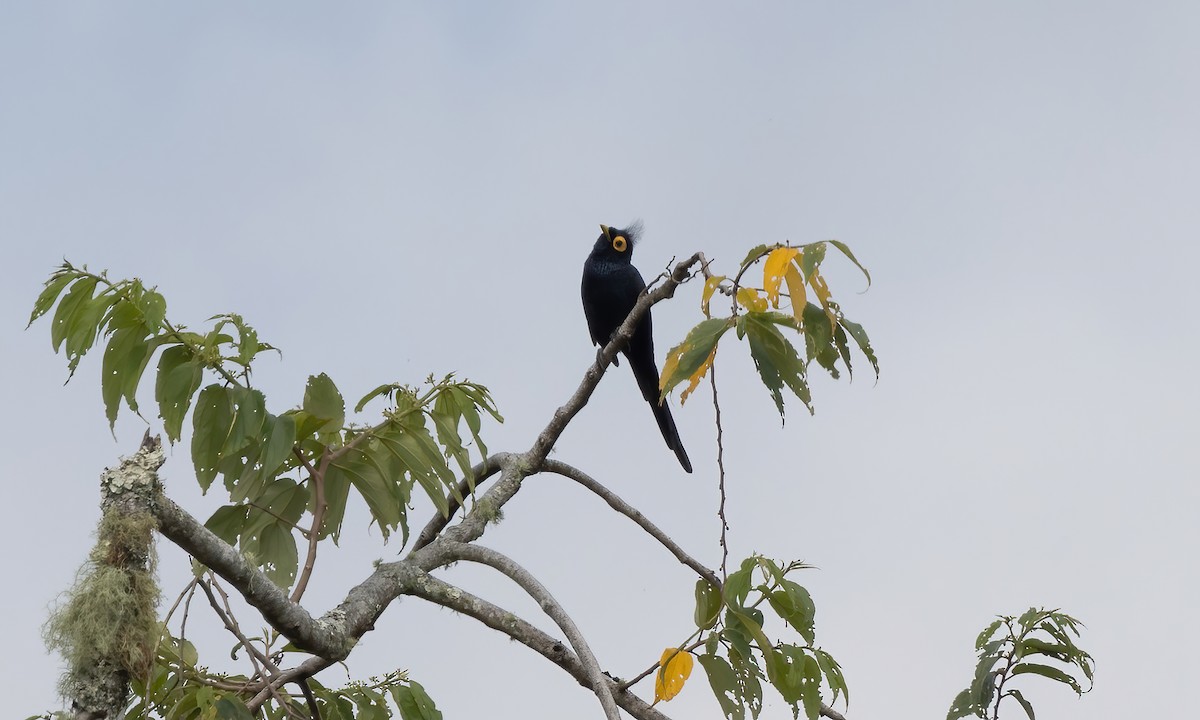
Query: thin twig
point(226, 617)
point(280, 518)
point(308, 697)
point(314, 536)
point(616, 503)
point(630, 683)
point(263, 667)
point(306, 669)
point(712, 376)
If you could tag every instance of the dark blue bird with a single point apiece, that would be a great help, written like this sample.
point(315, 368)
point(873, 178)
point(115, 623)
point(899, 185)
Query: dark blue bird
point(611, 285)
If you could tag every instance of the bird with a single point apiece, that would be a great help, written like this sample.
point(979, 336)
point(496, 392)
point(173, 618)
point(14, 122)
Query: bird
point(610, 288)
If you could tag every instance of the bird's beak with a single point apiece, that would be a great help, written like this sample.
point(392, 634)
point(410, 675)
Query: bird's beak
point(606, 230)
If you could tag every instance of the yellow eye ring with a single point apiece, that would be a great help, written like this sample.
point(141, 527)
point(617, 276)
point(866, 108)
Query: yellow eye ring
point(619, 243)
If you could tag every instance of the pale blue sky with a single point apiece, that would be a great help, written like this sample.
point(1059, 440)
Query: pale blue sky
point(388, 190)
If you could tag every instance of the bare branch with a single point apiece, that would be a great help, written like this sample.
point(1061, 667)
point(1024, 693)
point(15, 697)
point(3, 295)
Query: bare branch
point(289, 618)
point(303, 671)
point(319, 507)
point(616, 503)
point(442, 593)
point(438, 522)
point(232, 626)
point(539, 592)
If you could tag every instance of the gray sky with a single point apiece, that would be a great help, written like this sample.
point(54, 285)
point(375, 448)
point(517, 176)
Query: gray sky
point(391, 190)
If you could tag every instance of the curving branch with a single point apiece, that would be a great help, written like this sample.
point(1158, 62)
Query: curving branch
point(479, 473)
point(552, 608)
point(616, 503)
point(442, 593)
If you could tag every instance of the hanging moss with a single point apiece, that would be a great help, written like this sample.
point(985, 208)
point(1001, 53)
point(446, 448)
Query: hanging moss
point(105, 625)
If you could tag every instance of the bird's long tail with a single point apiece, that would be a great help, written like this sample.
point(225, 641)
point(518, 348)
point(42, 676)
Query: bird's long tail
point(647, 379)
point(666, 424)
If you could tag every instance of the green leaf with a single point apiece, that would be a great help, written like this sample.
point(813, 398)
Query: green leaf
point(371, 471)
point(724, 684)
point(79, 296)
point(281, 500)
point(812, 687)
point(154, 310)
point(790, 680)
point(210, 426)
point(1033, 646)
point(794, 604)
point(248, 344)
point(278, 554)
point(777, 362)
point(227, 522)
point(737, 585)
point(751, 622)
point(124, 361)
point(231, 708)
point(279, 437)
point(755, 253)
point(1025, 704)
point(846, 251)
point(691, 356)
point(833, 674)
point(385, 390)
point(414, 702)
point(337, 492)
point(406, 448)
point(179, 377)
point(322, 400)
point(987, 633)
point(249, 415)
point(54, 287)
point(1049, 672)
point(864, 343)
point(84, 326)
point(708, 604)
point(961, 707)
point(983, 688)
point(446, 415)
point(811, 258)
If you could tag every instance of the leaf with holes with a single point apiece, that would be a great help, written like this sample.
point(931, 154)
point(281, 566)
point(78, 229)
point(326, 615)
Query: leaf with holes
point(675, 667)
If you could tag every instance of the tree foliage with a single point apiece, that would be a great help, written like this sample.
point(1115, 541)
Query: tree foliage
point(1012, 646)
point(290, 471)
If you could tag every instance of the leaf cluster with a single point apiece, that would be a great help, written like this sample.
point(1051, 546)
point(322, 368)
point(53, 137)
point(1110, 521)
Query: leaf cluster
point(179, 688)
point(739, 655)
point(765, 316)
point(253, 450)
point(1012, 646)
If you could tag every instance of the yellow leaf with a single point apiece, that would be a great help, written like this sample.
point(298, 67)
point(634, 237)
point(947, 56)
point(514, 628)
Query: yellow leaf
point(795, 285)
point(697, 376)
point(821, 288)
point(773, 269)
point(673, 671)
point(710, 286)
point(750, 299)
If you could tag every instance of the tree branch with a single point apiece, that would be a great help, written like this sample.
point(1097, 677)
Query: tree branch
point(616, 503)
point(289, 618)
point(319, 507)
point(479, 473)
point(439, 592)
point(552, 608)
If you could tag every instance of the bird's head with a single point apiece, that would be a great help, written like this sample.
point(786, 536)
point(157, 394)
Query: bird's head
point(617, 243)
